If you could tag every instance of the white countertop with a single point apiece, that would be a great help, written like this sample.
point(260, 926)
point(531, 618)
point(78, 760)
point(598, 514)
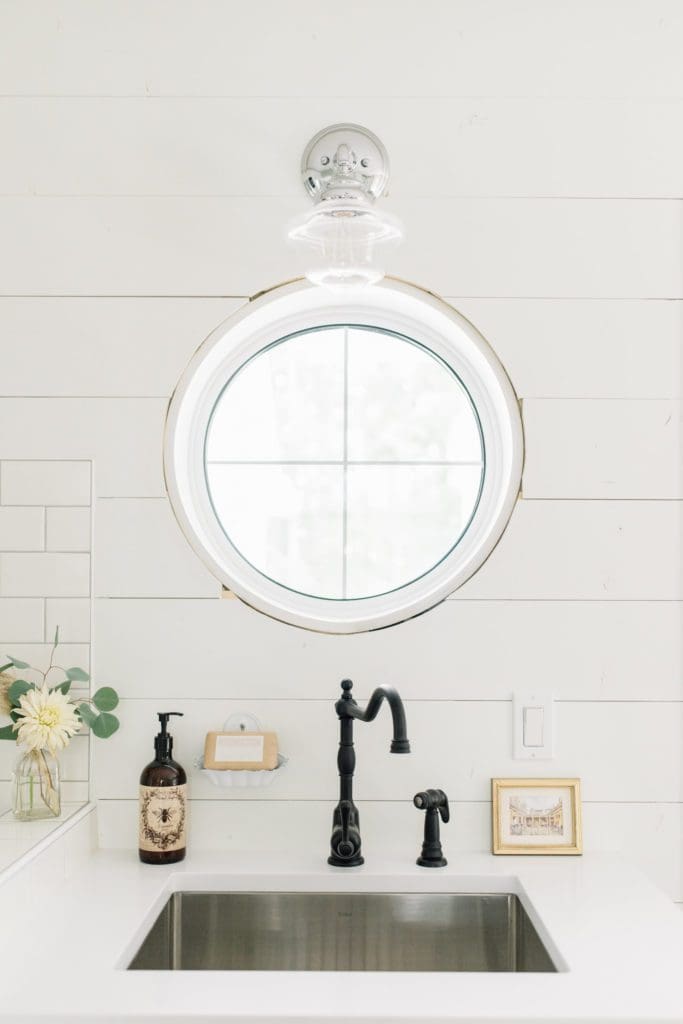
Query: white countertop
point(618, 938)
point(18, 838)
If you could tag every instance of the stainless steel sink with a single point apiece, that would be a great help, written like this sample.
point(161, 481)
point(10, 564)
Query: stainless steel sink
point(290, 931)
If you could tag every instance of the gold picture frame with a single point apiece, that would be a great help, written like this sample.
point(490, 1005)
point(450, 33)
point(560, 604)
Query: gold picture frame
point(536, 822)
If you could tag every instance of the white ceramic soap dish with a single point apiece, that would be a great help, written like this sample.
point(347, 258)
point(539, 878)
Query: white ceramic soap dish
point(228, 779)
point(241, 779)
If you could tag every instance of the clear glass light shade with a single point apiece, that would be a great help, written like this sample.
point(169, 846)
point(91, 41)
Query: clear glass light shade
point(342, 236)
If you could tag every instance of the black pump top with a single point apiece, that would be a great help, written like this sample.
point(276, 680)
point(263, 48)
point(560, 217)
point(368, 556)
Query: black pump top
point(163, 743)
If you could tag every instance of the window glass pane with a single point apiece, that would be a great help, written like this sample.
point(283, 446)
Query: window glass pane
point(402, 520)
point(287, 403)
point(344, 462)
point(405, 404)
point(286, 520)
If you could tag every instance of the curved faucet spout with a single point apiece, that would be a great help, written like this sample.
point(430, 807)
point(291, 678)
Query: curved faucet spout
point(347, 708)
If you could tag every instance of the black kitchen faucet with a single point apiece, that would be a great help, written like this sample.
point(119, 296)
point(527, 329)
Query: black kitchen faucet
point(345, 840)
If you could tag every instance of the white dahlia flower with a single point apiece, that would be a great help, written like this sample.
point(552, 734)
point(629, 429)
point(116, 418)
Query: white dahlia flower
point(48, 719)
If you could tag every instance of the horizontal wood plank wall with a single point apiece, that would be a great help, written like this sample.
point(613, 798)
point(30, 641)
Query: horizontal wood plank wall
point(168, 146)
point(150, 162)
point(454, 48)
point(227, 245)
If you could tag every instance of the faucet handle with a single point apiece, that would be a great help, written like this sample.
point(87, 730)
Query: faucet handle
point(344, 847)
point(345, 836)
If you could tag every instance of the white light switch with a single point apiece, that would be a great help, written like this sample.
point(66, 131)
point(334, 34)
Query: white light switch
point(532, 726)
point(532, 718)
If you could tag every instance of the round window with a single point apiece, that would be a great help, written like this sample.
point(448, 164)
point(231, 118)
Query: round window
point(343, 460)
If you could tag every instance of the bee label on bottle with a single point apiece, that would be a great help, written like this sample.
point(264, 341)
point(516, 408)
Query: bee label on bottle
point(162, 818)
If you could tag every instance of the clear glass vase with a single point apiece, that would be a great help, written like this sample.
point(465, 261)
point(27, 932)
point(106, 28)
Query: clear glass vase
point(35, 786)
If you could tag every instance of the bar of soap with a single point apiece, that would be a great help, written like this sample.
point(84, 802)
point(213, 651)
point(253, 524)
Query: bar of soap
point(241, 751)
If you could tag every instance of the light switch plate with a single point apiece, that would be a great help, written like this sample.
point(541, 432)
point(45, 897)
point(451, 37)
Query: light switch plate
point(532, 726)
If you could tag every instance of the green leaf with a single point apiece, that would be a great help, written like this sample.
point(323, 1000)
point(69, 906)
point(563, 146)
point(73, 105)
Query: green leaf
point(64, 687)
point(10, 664)
point(17, 663)
point(7, 733)
point(77, 675)
point(105, 726)
point(87, 714)
point(106, 699)
point(14, 716)
point(18, 688)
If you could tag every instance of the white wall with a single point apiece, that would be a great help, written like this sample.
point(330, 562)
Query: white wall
point(150, 161)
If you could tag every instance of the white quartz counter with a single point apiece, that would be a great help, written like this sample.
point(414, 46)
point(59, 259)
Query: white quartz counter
point(21, 838)
point(618, 940)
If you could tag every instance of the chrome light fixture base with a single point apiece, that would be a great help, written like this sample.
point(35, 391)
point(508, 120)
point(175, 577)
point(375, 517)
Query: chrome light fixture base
point(345, 155)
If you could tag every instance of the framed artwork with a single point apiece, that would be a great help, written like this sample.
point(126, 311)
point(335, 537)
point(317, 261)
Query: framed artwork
point(536, 816)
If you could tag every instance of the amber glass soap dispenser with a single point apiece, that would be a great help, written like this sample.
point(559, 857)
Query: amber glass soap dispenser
point(163, 786)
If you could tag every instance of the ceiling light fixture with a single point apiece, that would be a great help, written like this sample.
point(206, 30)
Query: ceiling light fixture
point(345, 168)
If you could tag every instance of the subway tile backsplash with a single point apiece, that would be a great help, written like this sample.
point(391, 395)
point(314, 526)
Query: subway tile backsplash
point(45, 483)
point(22, 618)
point(67, 529)
point(72, 615)
point(45, 581)
point(44, 573)
point(22, 528)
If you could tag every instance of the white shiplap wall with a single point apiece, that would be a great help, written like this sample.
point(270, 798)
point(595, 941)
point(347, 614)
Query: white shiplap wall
point(150, 156)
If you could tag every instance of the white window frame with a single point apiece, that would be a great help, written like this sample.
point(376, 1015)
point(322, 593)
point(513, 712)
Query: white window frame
point(389, 305)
